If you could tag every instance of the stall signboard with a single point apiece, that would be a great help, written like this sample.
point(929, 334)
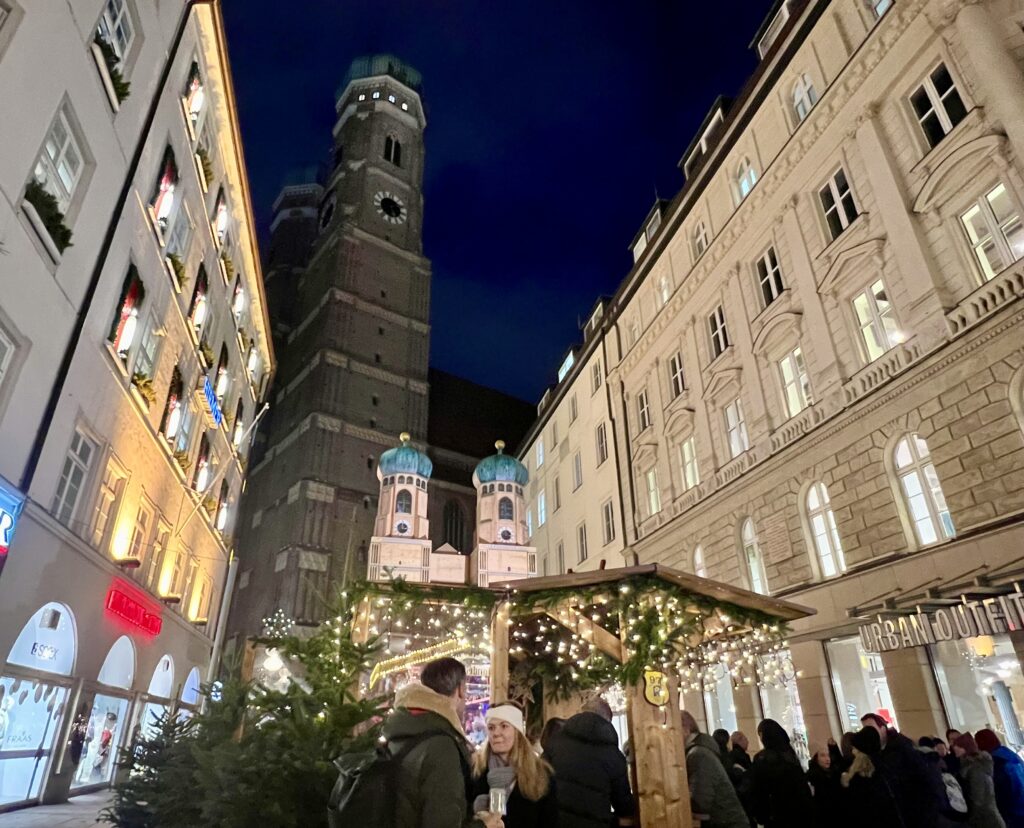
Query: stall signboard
point(968, 619)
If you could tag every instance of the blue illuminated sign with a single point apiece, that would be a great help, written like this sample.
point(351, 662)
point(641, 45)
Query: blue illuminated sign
point(211, 401)
point(11, 504)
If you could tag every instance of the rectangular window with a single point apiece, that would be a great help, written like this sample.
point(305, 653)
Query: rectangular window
point(876, 319)
point(577, 471)
point(155, 560)
point(796, 387)
point(560, 557)
point(938, 105)
point(139, 546)
point(675, 374)
point(880, 7)
point(6, 354)
point(634, 332)
point(145, 356)
point(116, 28)
point(719, 334)
point(769, 275)
point(595, 377)
point(540, 452)
point(529, 522)
point(608, 522)
point(602, 443)
point(554, 433)
point(653, 492)
point(643, 407)
point(180, 235)
point(688, 462)
point(574, 409)
point(72, 477)
point(994, 230)
point(581, 542)
point(736, 429)
point(59, 165)
point(107, 502)
point(542, 509)
point(838, 204)
point(558, 493)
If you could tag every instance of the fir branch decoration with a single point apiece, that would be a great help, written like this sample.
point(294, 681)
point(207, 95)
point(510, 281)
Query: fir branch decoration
point(144, 385)
point(206, 163)
point(229, 266)
point(49, 211)
point(178, 266)
point(206, 352)
point(113, 62)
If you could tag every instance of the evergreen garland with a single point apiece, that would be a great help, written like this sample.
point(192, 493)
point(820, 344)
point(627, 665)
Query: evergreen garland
point(50, 214)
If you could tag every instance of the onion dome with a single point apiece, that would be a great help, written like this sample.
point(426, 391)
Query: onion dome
point(405, 459)
point(501, 468)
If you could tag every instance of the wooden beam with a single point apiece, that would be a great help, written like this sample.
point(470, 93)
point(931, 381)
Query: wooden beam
point(499, 653)
point(575, 621)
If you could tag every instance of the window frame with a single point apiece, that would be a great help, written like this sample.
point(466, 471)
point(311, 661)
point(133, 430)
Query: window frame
point(106, 510)
point(877, 322)
point(65, 193)
point(581, 542)
point(538, 450)
point(643, 411)
point(803, 94)
point(106, 28)
point(676, 376)
point(85, 467)
point(838, 198)
point(937, 104)
point(699, 239)
point(769, 276)
point(601, 442)
point(542, 508)
point(607, 522)
point(700, 566)
point(820, 525)
point(688, 465)
point(750, 542)
point(596, 379)
point(577, 471)
point(737, 429)
point(653, 491)
point(996, 230)
point(745, 178)
point(921, 467)
point(799, 383)
point(718, 332)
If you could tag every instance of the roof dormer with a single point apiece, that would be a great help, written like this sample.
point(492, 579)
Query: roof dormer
point(771, 28)
point(650, 227)
point(706, 136)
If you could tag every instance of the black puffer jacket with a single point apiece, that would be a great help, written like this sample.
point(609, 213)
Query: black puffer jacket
point(590, 773)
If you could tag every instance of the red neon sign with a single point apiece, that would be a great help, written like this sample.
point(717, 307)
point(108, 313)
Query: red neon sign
point(132, 611)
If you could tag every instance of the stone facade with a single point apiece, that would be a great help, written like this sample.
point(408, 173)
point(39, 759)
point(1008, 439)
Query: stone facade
point(871, 318)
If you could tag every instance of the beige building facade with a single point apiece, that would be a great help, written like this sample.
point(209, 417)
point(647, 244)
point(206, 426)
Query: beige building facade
point(817, 363)
point(133, 364)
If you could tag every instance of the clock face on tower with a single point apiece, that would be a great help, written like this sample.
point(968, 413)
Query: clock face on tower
point(390, 207)
point(402, 527)
point(505, 535)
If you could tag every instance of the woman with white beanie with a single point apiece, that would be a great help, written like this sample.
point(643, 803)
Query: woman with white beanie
point(509, 777)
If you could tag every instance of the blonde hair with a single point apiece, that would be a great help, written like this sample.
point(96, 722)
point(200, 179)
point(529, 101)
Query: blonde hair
point(533, 774)
point(861, 766)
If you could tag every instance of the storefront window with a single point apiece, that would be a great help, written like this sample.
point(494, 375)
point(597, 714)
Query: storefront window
point(859, 682)
point(31, 708)
point(781, 702)
point(160, 687)
point(718, 701)
point(982, 685)
point(102, 738)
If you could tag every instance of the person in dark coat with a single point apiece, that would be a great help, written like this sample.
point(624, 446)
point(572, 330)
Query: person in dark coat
point(740, 746)
point(870, 799)
point(552, 727)
point(780, 794)
point(948, 755)
point(1008, 776)
point(956, 810)
point(508, 763)
point(976, 771)
point(712, 793)
point(825, 780)
point(919, 791)
point(591, 773)
point(433, 776)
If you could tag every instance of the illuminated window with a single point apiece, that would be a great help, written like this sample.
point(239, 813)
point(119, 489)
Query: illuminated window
point(223, 378)
point(173, 408)
point(688, 462)
point(822, 525)
point(539, 450)
point(699, 568)
point(753, 558)
point(542, 508)
point(198, 308)
point(804, 97)
point(796, 387)
point(653, 492)
point(60, 163)
point(116, 28)
point(746, 178)
point(239, 427)
point(922, 492)
point(194, 95)
point(204, 469)
point(126, 320)
point(736, 428)
point(221, 218)
point(994, 230)
point(876, 319)
point(221, 520)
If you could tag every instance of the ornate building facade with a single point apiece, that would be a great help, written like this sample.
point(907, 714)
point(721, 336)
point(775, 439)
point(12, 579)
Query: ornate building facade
point(815, 371)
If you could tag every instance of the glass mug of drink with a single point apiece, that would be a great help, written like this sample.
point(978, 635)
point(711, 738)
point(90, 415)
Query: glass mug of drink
point(499, 801)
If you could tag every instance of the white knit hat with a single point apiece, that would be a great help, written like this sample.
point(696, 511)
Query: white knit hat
point(507, 713)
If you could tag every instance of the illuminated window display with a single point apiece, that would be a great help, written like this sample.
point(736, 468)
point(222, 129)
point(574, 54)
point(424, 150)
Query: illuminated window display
point(859, 682)
point(719, 703)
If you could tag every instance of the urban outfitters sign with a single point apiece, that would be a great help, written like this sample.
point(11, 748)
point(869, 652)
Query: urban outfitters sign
point(989, 616)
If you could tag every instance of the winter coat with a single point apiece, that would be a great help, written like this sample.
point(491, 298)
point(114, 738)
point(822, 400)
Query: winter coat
point(711, 790)
point(592, 778)
point(918, 789)
point(779, 790)
point(433, 778)
point(1008, 775)
point(521, 812)
point(870, 801)
point(741, 757)
point(827, 790)
point(979, 787)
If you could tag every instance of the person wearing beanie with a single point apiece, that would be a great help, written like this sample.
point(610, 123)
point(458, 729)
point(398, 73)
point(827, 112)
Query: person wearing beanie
point(869, 797)
point(1008, 776)
point(508, 768)
point(976, 770)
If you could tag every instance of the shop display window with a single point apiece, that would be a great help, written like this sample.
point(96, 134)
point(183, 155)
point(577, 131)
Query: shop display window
point(99, 737)
point(718, 701)
point(859, 682)
point(781, 701)
point(982, 685)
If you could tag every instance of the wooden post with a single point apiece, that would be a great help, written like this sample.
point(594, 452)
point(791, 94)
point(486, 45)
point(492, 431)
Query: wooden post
point(499, 653)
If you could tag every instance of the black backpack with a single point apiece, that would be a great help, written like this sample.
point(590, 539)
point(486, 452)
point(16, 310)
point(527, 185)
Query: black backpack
point(364, 794)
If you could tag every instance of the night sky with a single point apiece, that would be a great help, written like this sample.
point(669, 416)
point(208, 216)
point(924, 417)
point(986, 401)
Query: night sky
point(550, 128)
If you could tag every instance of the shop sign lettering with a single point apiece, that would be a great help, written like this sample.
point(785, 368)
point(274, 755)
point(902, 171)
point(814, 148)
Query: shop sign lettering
point(132, 611)
point(43, 652)
point(969, 619)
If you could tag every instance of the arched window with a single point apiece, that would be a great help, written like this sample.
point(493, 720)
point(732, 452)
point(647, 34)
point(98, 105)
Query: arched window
point(804, 97)
point(922, 492)
point(822, 525)
point(162, 202)
point(746, 178)
point(699, 567)
point(393, 150)
point(403, 502)
point(126, 320)
point(752, 557)
point(48, 642)
point(118, 668)
point(197, 311)
point(454, 525)
point(699, 239)
point(223, 380)
point(505, 509)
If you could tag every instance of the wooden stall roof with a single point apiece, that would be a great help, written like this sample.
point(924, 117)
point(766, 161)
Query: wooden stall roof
point(783, 610)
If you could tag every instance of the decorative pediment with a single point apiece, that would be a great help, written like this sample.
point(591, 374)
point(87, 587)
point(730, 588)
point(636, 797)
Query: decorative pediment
point(783, 326)
point(957, 170)
point(679, 422)
point(722, 381)
point(646, 455)
point(851, 258)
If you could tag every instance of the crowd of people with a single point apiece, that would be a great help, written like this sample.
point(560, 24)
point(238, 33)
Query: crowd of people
point(577, 777)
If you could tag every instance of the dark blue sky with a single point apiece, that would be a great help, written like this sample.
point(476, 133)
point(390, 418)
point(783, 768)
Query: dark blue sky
point(550, 125)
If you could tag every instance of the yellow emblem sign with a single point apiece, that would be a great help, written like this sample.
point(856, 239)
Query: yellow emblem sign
point(655, 687)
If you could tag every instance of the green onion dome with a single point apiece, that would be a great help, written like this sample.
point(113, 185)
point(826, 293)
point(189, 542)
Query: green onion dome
point(501, 468)
point(405, 459)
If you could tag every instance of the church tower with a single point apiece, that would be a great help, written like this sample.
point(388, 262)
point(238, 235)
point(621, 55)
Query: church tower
point(502, 535)
point(353, 361)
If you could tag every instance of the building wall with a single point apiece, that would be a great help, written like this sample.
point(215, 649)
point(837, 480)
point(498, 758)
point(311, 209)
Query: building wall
point(185, 535)
point(950, 371)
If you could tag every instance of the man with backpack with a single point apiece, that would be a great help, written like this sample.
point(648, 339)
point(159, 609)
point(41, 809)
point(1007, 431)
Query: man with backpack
point(425, 733)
